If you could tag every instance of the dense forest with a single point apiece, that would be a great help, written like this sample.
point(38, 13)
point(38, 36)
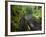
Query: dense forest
point(26, 18)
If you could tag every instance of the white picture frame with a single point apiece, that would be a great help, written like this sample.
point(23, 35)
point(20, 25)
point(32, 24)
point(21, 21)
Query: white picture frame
point(8, 19)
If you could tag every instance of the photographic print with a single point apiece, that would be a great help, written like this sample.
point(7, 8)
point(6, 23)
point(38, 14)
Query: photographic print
point(25, 18)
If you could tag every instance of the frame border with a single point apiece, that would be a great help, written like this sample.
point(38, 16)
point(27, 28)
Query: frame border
point(6, 18)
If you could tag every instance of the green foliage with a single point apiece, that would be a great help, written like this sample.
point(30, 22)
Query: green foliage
point(17, 11)
point(37, 12)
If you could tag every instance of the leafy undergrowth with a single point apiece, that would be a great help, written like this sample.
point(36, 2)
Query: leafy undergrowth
point(19, 12)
